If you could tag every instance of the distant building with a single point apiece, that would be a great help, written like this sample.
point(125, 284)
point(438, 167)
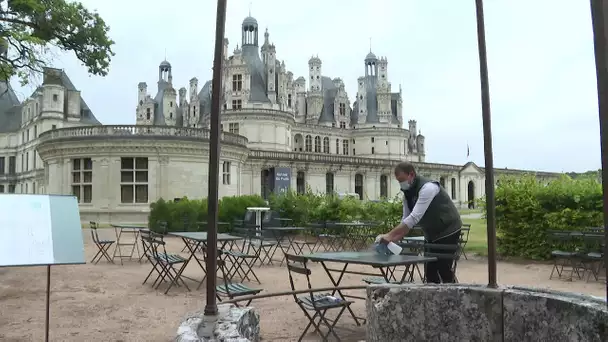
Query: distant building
point(278, 134)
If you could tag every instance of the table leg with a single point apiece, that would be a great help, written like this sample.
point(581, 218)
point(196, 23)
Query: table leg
point(336, 283)
point(118, 232)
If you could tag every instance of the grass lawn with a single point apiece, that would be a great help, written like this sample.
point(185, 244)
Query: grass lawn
point(478, 239)
point(469, 211)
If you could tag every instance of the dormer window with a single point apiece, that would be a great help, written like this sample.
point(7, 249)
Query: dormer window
point(147, 113)
point(342, 108)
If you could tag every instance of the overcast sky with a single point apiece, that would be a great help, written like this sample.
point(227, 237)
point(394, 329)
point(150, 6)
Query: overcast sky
point(542, 73)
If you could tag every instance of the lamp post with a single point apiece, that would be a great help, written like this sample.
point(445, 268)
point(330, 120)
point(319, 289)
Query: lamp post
point(487, 144)
point(599, 14)
point(214, 158)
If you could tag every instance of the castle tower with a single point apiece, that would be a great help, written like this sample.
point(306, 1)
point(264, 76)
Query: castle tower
point(383, 90)
point(315, 95)
point(362, 100)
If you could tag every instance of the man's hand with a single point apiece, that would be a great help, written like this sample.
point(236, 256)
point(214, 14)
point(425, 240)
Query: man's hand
point(383, 238)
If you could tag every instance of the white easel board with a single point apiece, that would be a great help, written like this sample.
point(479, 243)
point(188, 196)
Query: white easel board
point(40, 230)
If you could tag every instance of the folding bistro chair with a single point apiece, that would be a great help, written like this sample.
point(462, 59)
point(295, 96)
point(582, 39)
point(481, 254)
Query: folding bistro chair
point(593, 255)
point(146, 243)
point(568, 259)
point(314, 302)
point(244, 257)
point(464, 238)
point(171, 266)
point(310, 239)
point(102, 245)
point(232, 290)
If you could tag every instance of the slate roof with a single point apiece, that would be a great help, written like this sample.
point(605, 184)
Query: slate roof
point(10, 106)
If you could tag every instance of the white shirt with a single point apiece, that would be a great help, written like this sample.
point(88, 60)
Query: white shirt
point(425, 196)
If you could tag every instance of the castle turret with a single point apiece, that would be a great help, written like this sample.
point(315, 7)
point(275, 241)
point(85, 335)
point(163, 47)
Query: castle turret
point(361, 100)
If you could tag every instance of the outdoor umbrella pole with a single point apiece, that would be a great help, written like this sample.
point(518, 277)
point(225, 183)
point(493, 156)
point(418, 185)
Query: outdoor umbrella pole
point(214, 159)
point(599, 13)
point(487, 144)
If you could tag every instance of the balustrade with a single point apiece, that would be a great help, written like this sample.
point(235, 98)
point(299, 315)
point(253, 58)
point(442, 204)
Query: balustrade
point(139, 130)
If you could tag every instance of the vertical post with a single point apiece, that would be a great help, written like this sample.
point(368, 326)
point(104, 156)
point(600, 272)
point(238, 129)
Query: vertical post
point(487, 144)
point(48, 303)
point(214, 159)
point(599, 14)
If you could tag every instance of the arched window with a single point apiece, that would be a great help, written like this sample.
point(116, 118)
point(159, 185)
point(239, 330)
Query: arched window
point(359, 185)
point(442, 182)
point(308, 144)
point(301, 182)
point(453, 188)
point(326, 145)
point(329, 183)
point(318, 144)
point(384, 186)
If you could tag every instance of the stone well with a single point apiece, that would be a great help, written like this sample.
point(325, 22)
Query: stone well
point(232, 324)
point(459, 312)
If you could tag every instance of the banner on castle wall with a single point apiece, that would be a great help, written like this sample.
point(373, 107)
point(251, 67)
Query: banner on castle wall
point(282, 179)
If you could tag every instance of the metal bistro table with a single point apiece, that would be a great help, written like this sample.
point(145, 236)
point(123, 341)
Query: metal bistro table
point(383, 263)
point(286, 233)
point(133, 230)
point(198, 240)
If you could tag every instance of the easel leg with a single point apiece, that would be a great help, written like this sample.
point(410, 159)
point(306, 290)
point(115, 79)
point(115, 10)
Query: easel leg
point(48, 302)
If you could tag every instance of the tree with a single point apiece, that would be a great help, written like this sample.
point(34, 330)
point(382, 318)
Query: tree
point(29, 29)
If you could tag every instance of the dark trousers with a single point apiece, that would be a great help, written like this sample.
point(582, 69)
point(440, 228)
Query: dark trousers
point(440, 271)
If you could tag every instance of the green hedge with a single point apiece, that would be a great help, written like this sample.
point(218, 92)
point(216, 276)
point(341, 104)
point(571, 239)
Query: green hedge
point(302, 209)
point(526, 209)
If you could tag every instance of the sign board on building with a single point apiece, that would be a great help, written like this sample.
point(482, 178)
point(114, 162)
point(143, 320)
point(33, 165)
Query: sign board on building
point(282, 179)
point(40, 230)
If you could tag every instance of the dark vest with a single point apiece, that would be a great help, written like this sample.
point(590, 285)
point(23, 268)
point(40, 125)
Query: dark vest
point(441, 218)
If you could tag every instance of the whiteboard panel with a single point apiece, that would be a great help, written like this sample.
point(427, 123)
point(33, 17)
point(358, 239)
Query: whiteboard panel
point(40, 230)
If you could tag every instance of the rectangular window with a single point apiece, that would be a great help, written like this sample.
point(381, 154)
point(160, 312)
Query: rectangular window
point(22, 162)
point(12, 165)
point(237, 104)
point(373, 150)
point(34, 160)
point(134, 180)
point(1, 189)
point(11, 188)
point(342, 124)
point(226, 173)
point(342, 109)
point(27, 161)
point(237, 82)
point(233, 128)
point(27, 135)
point(82, 179)
point(35, 131)
point(2, 165)
point(289, 100)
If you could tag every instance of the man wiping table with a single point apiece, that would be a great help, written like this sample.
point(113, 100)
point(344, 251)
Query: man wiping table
point(429, 206)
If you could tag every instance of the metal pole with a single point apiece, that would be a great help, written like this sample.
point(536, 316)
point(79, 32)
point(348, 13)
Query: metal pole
point(214, 159)
point(599, 14)
point(48, 303)
point(487, 144)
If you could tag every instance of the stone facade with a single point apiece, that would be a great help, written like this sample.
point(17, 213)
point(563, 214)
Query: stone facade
point(460, 312)
point(271, 124)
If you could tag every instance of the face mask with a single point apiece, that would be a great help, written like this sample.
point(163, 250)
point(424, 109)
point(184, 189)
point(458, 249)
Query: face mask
point(405, 186)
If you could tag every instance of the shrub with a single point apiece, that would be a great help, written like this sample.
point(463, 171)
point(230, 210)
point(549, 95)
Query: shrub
point(526, 209)
point(301, 208)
